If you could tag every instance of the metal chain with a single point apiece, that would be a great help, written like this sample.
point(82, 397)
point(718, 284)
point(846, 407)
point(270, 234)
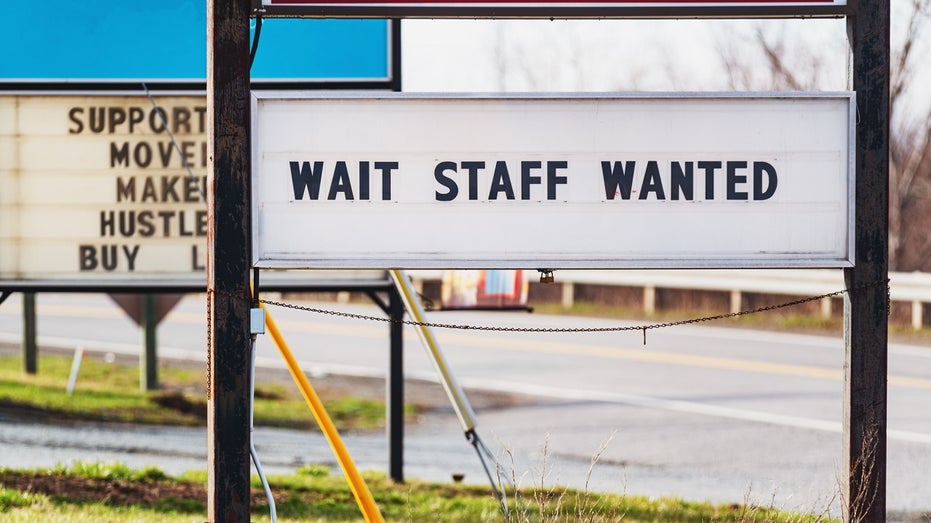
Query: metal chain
point(209, 344)
point(644, 328)
point(234, 295)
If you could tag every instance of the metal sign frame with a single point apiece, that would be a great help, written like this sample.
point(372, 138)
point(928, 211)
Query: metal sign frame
point(413, 229)
point(866, 303)
point(523, 9)
point(111, 52)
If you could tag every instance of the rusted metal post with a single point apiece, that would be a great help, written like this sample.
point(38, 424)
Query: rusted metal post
point(30, 349)
point(229, 350)
point(395, 388)
point(395, 383)
point(148, 363)
point(866, 306)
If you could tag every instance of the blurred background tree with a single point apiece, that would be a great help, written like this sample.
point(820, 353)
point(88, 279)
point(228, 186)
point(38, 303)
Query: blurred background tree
point(769, 60)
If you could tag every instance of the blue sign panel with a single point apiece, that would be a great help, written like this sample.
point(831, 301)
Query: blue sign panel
point(166, 40)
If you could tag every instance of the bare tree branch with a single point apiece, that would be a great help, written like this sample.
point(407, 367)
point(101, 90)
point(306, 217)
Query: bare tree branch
point(775, 55)
point(910, 143)
point(901, 71)
point(909, 151)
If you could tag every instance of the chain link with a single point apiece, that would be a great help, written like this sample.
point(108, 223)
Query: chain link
point(210, 328)
point(209, 339)
point(643, 328)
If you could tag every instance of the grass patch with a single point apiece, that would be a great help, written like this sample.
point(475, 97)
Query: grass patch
point(109, 392)
point(110, 472)
point(10, 499)
point(101, 492)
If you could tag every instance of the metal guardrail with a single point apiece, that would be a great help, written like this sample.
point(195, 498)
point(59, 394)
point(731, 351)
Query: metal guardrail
point(914, 288)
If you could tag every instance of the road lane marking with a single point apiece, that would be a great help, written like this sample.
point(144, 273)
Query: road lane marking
point(690, 360)
point(686, 407)
point(74, 311)
point(544, 391)
point(640, 355)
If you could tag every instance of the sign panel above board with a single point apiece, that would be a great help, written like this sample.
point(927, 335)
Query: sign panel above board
point(556, 9)
point(573, 181)
point(115, 41)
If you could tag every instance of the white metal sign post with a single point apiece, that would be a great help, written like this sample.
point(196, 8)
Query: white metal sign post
point(558, 182)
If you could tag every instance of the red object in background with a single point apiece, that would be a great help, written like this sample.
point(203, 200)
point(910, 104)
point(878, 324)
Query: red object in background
point(484, 289)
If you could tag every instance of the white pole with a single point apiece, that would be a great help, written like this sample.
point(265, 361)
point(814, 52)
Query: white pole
point(75, 366)
point(458, 398)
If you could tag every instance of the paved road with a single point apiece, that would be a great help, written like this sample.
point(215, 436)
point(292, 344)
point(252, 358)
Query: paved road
point(698, 412)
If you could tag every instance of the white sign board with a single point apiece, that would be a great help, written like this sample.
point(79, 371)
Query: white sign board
point(92, 187)
point(419, 181)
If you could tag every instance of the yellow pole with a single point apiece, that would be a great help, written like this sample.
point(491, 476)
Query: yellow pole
point(359, 489)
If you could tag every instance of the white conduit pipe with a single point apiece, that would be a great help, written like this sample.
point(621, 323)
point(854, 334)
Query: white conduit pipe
point(255, 455)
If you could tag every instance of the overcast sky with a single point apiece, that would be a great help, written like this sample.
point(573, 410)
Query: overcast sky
point(611, 55)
